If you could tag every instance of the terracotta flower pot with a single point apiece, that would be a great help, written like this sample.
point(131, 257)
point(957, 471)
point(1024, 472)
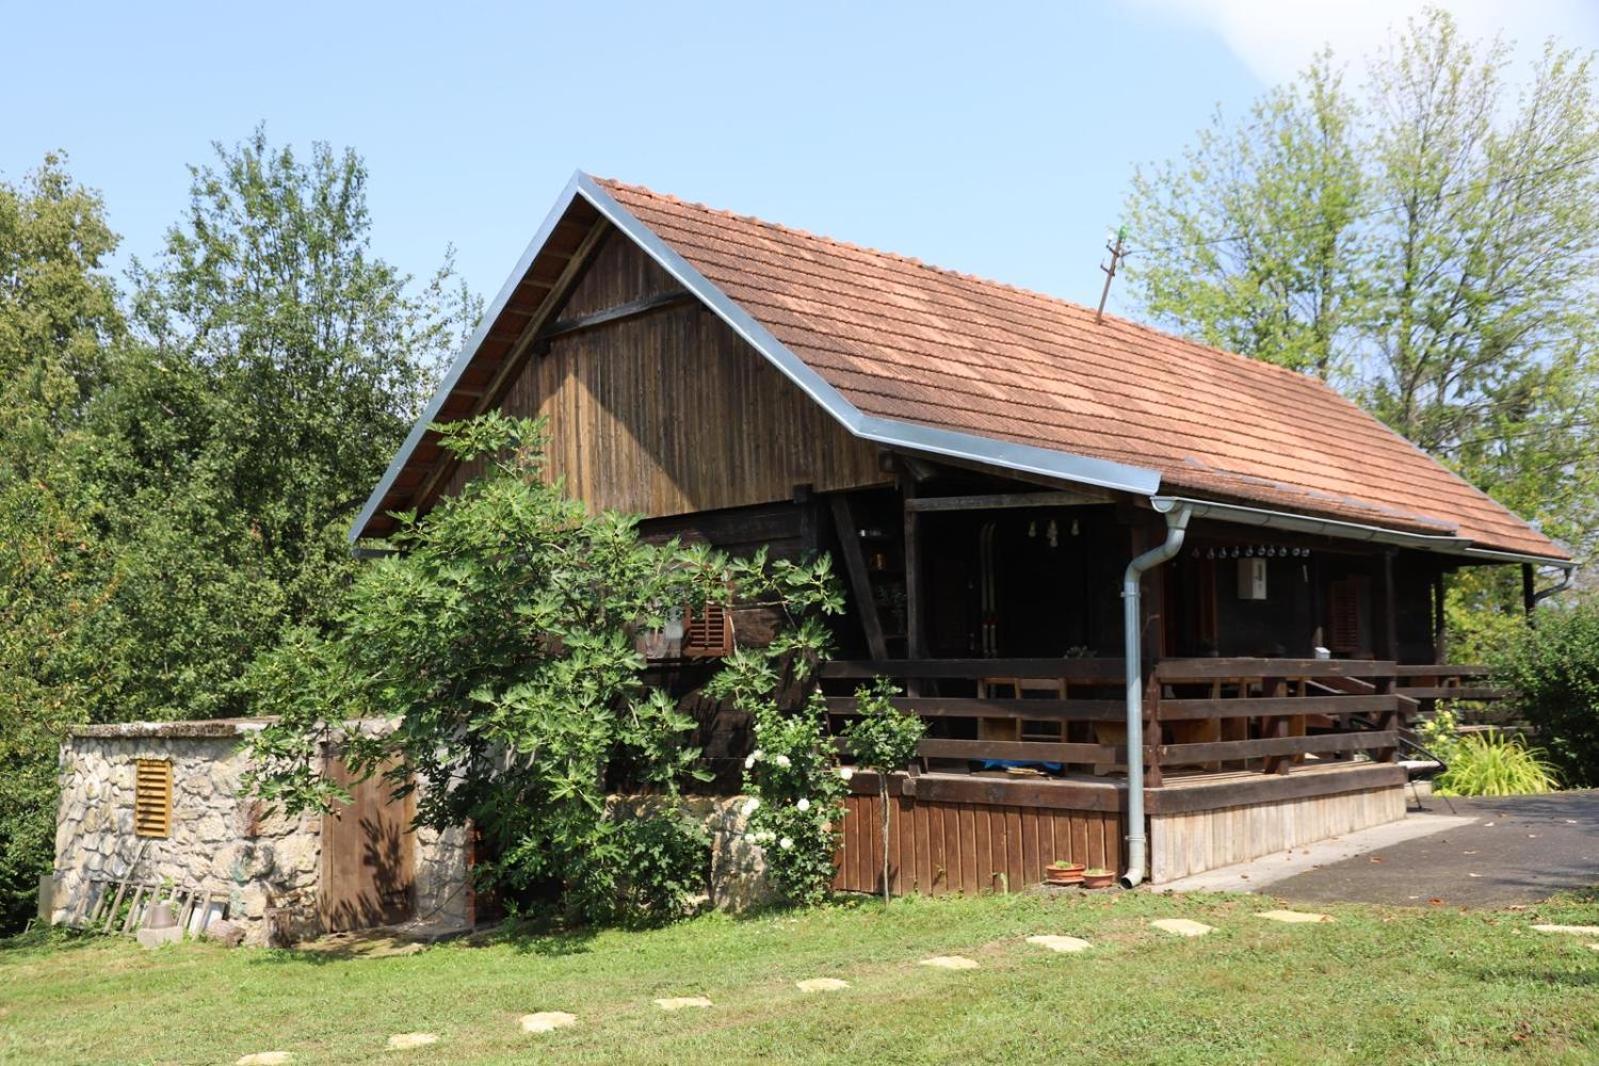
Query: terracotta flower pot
point(1098, 878)
point(1069, 874)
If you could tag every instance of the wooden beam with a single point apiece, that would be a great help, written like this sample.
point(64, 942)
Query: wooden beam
point(1529, 595)
point(1390, 607)
point(1022, 751)
point(1277, 746)
point(1260, 788)
point(998, 791)
point(1196, 710)
point(1086, 671)
point(1000, 501)
point(860, 582)
point(1178, 670)
point(513, 359)
point(631, 309)
point(1027, 710)
point(914, 648)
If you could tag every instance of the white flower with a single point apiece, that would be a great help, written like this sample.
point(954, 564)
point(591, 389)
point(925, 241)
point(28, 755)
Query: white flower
point(781, 760)
point(786, 843)
point(752, 758)
point(750, 805)
point(803, 804)
point(846, 772)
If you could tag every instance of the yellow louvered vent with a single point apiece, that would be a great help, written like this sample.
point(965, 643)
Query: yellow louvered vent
point(152, 797)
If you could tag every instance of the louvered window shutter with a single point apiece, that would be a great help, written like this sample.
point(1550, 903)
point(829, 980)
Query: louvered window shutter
point(1343, 617)
point(152, 797)
point(708, 633)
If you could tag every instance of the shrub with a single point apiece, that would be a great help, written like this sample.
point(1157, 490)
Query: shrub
point(1493, 764)
point(502, 642)
point(1553, 669)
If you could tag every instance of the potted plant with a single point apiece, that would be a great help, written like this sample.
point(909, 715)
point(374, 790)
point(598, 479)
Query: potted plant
point(1098, 877)
point(1061, 872)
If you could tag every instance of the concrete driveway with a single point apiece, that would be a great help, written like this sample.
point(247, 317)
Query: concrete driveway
point(1516, 849)
point(1463, 853)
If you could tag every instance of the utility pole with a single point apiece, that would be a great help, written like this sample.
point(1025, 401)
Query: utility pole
point(1116, 255)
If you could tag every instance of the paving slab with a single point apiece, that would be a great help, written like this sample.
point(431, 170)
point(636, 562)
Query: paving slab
point(1059, 943)
point(1182, 926)
point(682, 1002)
point(546, 1021)
point(264, 1058)
point(821, 984)
point(949, 962)
point(407, 1041)
point(1576, 930)
point(1294, 917)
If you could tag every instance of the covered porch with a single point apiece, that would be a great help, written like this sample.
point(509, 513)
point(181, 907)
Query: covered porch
point(1278, 669)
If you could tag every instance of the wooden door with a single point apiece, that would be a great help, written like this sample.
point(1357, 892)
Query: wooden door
point(368, 856)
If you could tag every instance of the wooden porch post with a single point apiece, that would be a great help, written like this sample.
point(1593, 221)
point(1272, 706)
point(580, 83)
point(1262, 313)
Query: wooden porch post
point(1440, 625)
point(914, 637)
point(1390, 597)
point(860, 583)
point(1529, 596)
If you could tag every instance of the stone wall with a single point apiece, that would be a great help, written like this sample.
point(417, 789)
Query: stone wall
point(221, 841)
point(268, 867)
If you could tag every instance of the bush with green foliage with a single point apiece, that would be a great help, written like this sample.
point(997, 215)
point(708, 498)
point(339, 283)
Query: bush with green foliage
point(795, 807)
point(502, 642)
point(883, 739)
point(1494, 764)
point(1553, 672)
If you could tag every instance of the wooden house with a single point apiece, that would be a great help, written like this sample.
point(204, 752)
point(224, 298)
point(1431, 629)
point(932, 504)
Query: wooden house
point(1165, 607)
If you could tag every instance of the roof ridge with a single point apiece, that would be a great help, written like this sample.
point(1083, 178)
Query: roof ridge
point(993, 283)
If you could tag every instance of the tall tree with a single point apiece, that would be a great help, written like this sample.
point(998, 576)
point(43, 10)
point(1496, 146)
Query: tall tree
point(58, 326)
point(1250, 241)
point(280, 364)
point(1428, 245)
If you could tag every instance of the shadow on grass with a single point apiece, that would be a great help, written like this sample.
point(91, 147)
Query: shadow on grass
point(50, 938)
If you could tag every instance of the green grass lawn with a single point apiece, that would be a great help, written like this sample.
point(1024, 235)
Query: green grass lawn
point(1376, 985)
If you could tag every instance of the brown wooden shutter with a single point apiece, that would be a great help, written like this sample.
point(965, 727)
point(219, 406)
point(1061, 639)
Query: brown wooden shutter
point(1344, 611)
point(152, 797)
point(708, 633)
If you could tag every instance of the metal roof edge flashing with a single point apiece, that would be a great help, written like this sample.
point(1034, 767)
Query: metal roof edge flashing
point(1258, 516)
point(463, 359)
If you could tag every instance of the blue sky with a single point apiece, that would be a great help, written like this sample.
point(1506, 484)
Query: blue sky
point(994, 138)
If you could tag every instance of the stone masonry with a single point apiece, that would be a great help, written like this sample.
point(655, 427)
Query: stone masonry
point(222, 840)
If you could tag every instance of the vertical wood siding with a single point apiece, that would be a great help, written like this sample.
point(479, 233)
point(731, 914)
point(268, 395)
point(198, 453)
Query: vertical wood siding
point(670, 412)
point(936, 847)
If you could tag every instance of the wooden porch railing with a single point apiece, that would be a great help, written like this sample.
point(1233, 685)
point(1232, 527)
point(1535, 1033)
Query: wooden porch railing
point(1199, 714)
point(1446, 682)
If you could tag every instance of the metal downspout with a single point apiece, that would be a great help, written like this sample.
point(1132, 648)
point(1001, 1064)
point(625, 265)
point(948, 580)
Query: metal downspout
point(1133, 650)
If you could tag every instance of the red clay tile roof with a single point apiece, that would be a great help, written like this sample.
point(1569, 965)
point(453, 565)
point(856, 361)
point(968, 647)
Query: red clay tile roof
point(903, 340)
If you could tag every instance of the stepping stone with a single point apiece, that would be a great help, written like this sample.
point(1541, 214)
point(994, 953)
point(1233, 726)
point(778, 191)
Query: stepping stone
point(1294, 917)
point(1182, 926)
point(681, 1002)
point(1579, 930)
point(407, 1041)
point(1059, 943)
point(821, 984)
point(547, 1020)
point(264, 1058)
point(949, 962)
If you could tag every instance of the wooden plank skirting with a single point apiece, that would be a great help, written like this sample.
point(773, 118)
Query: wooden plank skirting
point(939, 846)
point(1187, 843)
